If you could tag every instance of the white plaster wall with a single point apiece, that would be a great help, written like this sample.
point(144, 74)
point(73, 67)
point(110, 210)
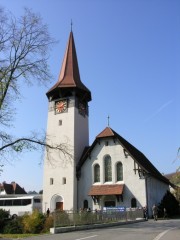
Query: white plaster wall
point(134, 187)
point(81, 134)
point(74, 133)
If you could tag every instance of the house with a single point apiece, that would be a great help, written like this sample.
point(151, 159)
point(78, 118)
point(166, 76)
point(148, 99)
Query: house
point(11, 188)
point(110, 172)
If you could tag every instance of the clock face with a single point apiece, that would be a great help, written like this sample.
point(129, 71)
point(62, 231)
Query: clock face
point(61, 106)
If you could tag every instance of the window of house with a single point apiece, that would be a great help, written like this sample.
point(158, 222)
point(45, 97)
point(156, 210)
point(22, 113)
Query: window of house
point(107, 169)
point(119, 171)
point(96, 173)
point(60, 122)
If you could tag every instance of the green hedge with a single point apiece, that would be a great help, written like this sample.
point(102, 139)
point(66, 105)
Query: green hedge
point(34, 223)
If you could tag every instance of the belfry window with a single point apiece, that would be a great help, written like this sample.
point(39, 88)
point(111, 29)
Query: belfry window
point(96, 173)
point(119, 171)
point(107, 168)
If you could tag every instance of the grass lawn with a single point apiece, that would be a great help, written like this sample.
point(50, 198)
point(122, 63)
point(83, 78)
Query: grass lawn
point(17, 235)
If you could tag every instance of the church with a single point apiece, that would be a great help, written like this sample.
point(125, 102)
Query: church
point(110, 172)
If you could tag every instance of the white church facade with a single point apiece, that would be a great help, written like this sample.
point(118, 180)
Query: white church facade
point(110, 172)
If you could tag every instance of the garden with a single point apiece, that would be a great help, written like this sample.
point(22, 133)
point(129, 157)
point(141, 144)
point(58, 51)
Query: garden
point(23, 226)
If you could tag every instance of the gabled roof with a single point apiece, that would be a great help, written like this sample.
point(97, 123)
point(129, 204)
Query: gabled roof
point(12, 188)
point(138, 156)
point(69, 76)
point(107, 132)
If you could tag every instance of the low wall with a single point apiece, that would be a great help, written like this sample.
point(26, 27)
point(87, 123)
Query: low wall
point(56, 230)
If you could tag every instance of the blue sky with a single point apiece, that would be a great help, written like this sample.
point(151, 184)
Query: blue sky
point(129, 56)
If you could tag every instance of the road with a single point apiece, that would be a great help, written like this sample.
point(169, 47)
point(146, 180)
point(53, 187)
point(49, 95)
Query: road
point(150, 230)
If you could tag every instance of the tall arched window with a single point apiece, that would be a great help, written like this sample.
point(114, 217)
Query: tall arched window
point(119, 171)
point(96, 173)
point(107, 169)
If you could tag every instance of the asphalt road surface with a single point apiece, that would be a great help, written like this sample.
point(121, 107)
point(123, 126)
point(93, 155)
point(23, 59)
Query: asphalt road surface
point(150, 230)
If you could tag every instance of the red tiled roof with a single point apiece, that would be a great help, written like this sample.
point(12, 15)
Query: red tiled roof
point(111, 189)
point(107, 132)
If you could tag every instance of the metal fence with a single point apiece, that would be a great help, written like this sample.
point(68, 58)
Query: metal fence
point(69, 218)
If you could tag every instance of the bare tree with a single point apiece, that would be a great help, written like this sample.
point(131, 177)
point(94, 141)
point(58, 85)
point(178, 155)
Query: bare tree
point(24, 47)
point(14, 146)
point(24, 50)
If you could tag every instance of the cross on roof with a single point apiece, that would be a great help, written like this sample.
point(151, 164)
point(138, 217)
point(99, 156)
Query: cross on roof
point(108, 120)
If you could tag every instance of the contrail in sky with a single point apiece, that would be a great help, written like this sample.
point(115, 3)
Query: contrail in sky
point(159, 110)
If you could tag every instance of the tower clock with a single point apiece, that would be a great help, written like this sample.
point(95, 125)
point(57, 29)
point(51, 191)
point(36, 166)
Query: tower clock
point(60, 106)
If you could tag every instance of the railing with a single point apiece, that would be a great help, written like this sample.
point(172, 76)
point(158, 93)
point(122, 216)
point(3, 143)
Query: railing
point(69, 218)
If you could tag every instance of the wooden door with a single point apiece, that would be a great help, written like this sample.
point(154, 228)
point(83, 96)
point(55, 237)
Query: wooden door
point(59, 206)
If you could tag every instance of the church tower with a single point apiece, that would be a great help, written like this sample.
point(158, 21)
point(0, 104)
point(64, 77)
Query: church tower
point(67, 128)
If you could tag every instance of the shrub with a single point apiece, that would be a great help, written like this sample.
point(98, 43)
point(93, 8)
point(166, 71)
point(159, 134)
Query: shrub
point(33, 223)
point(4, 217)
point(14, 226)
point(170, 203)
point(48, 224)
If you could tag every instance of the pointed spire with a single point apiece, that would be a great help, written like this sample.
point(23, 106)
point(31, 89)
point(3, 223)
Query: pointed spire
point(69, 76)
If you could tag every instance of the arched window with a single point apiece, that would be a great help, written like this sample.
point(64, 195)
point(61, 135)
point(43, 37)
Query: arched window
point(107, 169)
point(133, 203)
point(85, 205)
point(96, 173)
point(119, 171)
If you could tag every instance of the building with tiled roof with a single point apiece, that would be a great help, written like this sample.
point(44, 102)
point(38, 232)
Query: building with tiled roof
point(110, 172)
point(11, 188)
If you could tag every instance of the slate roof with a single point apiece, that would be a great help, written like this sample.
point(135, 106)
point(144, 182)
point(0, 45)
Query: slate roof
point(138, 156)
point(69, 77)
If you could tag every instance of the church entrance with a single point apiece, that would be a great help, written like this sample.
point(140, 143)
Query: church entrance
point(109, 204)
point(109, 201)
point(59, 206)
point(56, 203)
